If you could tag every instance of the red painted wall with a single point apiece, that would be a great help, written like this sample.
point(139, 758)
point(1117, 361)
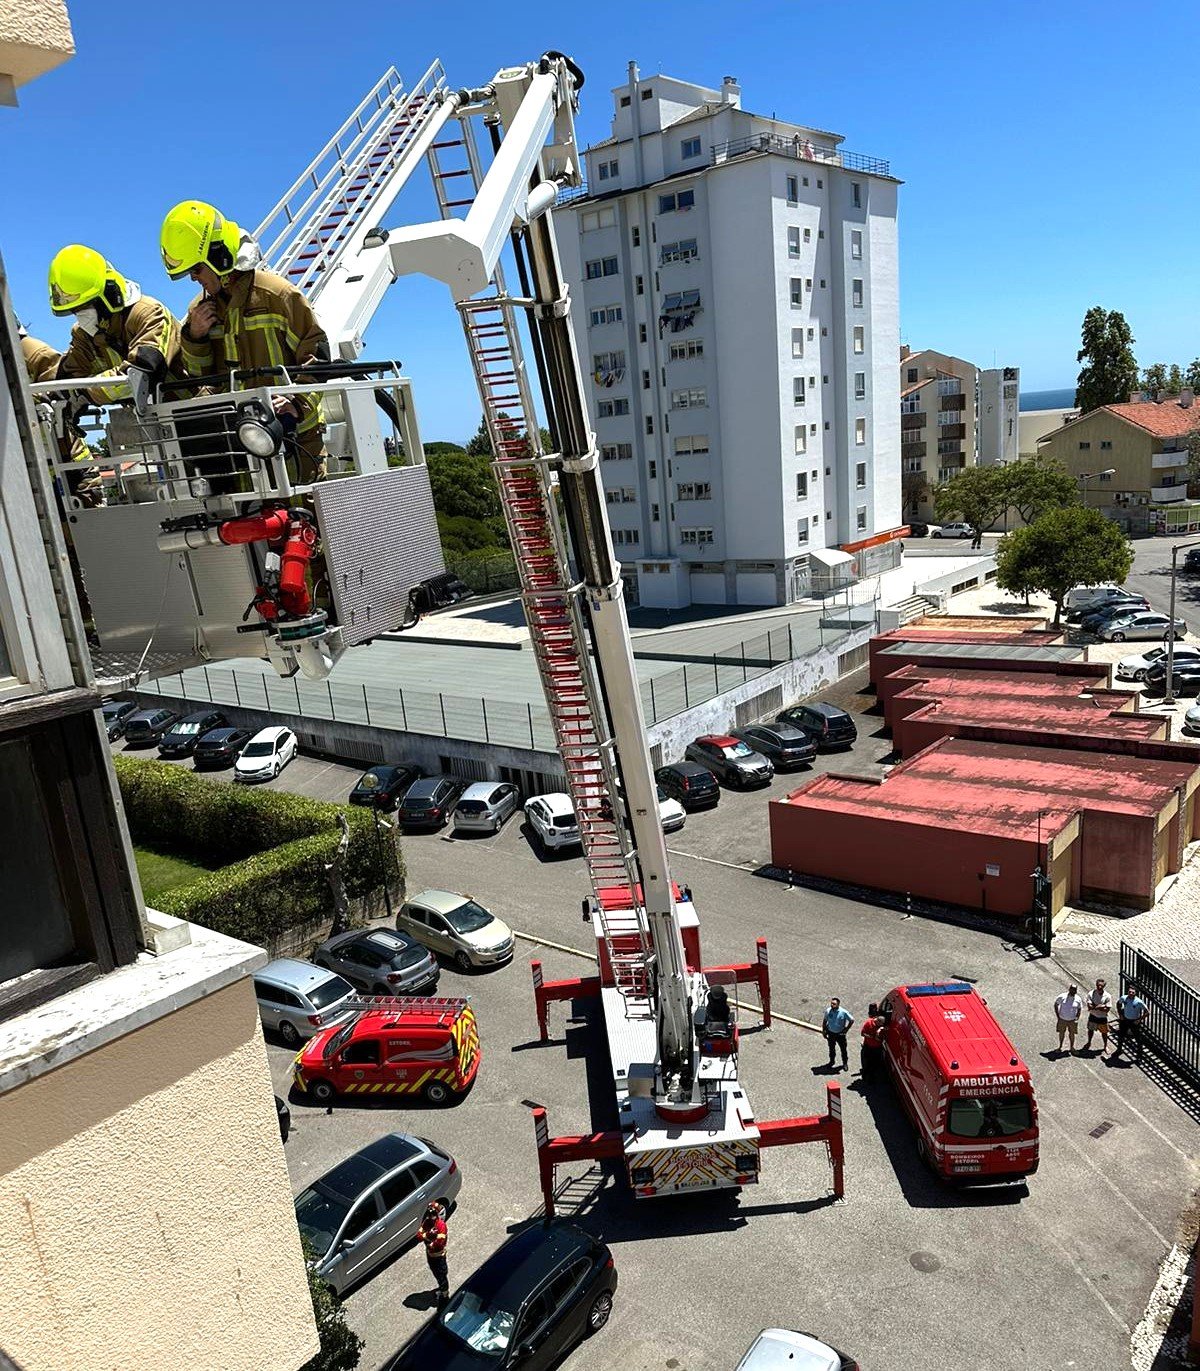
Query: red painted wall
point(1117, 859)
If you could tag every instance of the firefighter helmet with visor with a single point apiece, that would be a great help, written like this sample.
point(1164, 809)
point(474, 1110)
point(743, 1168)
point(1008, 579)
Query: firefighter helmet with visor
point(195, 234)
point(80, 276)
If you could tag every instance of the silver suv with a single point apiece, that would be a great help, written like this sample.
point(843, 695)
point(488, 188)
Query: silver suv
point(380, 962)
point(297, 999)
point(360, 1213)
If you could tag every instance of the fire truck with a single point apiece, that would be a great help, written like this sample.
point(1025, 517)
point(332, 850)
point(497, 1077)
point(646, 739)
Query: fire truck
point(205, 484)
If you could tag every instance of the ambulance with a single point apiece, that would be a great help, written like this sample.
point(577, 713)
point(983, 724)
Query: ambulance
point(962, 1083)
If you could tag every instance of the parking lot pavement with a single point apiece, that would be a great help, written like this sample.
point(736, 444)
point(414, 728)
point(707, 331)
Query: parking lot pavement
point(317, 777)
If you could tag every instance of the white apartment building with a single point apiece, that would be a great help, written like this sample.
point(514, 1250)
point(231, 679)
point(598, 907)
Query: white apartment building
point(999, 415)
point(735, 294)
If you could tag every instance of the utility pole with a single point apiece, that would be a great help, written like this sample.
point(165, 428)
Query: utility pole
point(1086, 476)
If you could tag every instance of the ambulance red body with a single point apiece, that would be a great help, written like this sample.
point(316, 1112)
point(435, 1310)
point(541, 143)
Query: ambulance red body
point(962, 1082)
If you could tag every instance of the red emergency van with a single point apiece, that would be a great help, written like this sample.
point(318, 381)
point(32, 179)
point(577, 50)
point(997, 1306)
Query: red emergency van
point(962, 1082)
point(394, 1045)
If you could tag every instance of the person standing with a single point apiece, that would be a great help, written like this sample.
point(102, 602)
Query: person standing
point(871, 1050)
point(1099, 1003)
point(1068, 1007)
point(1131, 1011)
point(433, 1234)
point(835, 1025)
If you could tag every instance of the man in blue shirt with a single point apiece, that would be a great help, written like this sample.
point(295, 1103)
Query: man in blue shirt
point(835, 1026)
point(1131, 1010)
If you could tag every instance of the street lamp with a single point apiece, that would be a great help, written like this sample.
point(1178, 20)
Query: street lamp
point(1169, 696)
point(1086, 476)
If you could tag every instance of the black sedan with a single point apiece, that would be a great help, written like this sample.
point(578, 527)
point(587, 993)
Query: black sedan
point(693, 785)
point(784, 745)
point(220, 747)
point(1185, 677)
point(528, 1305)
point(382, 786)
point(429, 802)
point(181, 738)
point(147, 726)
point(116, 714)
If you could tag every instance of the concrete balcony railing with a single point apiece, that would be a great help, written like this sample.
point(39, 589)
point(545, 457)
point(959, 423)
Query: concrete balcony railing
point(912, 419)
point(1166, 495)
point(1162, 460)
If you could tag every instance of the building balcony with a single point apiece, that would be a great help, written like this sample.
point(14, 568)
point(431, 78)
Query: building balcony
point(912, 449)
point(953, 400)
point(912, 406)
point(912, 420)
point(949, 385)
point(802, 149)
point(1162, 460)
point(951, 431)
point(1168, 495)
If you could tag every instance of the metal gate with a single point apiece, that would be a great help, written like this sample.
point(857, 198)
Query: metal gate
point(1040, 923)
point(1171, 1027)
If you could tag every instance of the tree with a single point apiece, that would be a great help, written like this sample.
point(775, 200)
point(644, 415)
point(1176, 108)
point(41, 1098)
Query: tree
point(1109, 373)
point(1061, 549)
point(977, 495)
point(1174, 379)
point(340, 1345)
point(1191, 377)
point(481, 444)
point(443, 449)
point(1038, 484)
point(1154, 378)
point(914, 488)
point(463, 485)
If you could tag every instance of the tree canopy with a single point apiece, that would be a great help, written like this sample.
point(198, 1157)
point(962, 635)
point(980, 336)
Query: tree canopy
point(975, 494)
point(1061, 549)
point(980, 495)
point(1037, 484)
point(1109, 373)
point(1171, 379)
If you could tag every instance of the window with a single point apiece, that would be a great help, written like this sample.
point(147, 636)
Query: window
point(1105, 445)
point(647, 93)
point(363, 1217)
point(860, 432)
point(812, 428)
point(610, 409)
point(811, 334)
point(620, 495)
point(859, 338)
point(797, 342)
point(602, 266)
point(654, 516)
point(856, 194)
point(856, 243)
point(641, 327)
point(802, 530)
point(683, 352)
point(362, 1053)
point(860, 519)
point(860, 476)
point(1172, 480)
point(639, 288)
point(808, 235)
point(652, 468)
point(615, 452)
point(605, 217)
point(693, 490)
point(645, 380)
point(637, 236)
point(690, 147)
point(693, 398)
point(793, 190)
point(800, 439)
point(797, 390)
point(804, 180)
point(946, 417)
point(606, 170)
point(695, 446)
point(913, 464)
point(608, 367)
point(625, 101)
point(808, 283)
point(677, 199)
point(856, 292)
point(683, 251)
point(793, 242)
point(626, 537)
point(396, 1189)
point(822, 283)
point(801, 485)
point(696, 537)
point(797, 291)
point(860, 385)
point(989, 1118)
point(820, 184)
point(607, 314)
point(649, 424)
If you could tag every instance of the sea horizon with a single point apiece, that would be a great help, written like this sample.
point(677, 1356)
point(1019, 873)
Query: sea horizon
point(1047, 399)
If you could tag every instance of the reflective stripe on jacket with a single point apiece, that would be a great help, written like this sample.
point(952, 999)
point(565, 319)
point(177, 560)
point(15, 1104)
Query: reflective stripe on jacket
point(147, 323)
point(262, 321)
point(434, 1237)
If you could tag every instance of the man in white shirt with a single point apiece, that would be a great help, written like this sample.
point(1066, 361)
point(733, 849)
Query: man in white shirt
point(1068, 1007)
point(1099, 1003)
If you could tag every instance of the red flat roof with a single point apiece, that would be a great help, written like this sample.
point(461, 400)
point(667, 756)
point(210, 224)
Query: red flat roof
point(996, 631)
point(1000, 789)
point(1028, 709)
point(944, 683)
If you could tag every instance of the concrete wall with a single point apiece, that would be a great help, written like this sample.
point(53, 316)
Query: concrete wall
point(1117, 859)
point(940, 588)
point(145, 1208)
point(35, 37)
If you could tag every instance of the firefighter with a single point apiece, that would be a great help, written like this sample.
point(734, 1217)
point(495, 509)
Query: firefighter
point(432, 1233)
point(245, 317)
point(116, 327)
point(42, 363)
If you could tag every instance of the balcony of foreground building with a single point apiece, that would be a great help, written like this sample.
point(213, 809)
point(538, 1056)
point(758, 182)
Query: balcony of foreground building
point(1161, 461)
point(946, 431)
point(910, 419)
point(908, 450)
point(1168, 495)
point(951, 399)
point(800, 148)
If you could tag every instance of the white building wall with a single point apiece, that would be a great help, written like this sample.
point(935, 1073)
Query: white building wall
point(999, 419)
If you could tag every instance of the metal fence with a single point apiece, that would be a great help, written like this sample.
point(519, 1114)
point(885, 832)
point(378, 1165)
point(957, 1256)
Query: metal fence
point(1171, 1028)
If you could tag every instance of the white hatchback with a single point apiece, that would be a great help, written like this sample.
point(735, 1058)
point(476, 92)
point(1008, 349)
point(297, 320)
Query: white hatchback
point(780, 1349)
point(266, 754)
point(552, 818)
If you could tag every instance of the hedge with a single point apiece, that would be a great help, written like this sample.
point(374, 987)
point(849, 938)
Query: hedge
point(278, 845)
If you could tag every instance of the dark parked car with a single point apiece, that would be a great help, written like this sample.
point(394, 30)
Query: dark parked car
point(181, 738)
point(533, 1300)
point(827, 725)
point(1105, 598)
point(285, 1118)
point(116, 713)
point(917, 529)
point(380, 962)
point(220, 747)
point(1095, 619)
point(147, 726)
point(1191, 561)
point(731, 760)
point(785, 745)
point(693, 785)
point(429, 802)
point(1185, 677)
point(382, 786)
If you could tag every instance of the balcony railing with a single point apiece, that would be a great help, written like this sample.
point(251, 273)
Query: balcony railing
point(912, 449)
point(912, 419)
point(952, 400)
point(952, 430)
point(1165, 495)
point(1161, 460)
point(802, 149)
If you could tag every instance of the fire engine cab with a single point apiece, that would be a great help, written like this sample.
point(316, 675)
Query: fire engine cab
point(962, 1083)
point(394, 1046)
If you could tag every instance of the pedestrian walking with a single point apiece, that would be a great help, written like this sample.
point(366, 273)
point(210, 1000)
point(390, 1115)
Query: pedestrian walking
point(871, 1049)
point(1068, 1007)
point(1131, 1011)
point(433, 1234)
point(835, 1025)
point(1099, 1003)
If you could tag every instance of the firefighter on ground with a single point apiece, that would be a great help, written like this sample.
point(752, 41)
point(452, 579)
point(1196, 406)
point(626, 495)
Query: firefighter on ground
point(432, 1233)
point(245, 317)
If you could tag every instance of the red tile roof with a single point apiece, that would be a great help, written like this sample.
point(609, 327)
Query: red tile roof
point(1167, 420)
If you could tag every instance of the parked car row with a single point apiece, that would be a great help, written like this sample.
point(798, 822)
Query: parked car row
point(206, 736)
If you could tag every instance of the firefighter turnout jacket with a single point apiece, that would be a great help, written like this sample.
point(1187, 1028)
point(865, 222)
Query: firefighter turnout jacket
point(142, 332)
point(434, 1235)
point(42, 363)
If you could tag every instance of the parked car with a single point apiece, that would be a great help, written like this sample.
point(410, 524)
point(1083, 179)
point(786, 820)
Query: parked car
point(370, 1206)
point(731, 760)
point(181, 738)
point(484, 806)
point(380, 962)
point(1191, 561)
point(693, 785)
point(1191, 720)
point(1079, 599)
point(220, 747)
point(917, 528)
point(266, 754)
point(297, 999)
point(382, 786)
point(553, 821)
point(1135, 668)
point(430, 801)
point(784, 745)
point(456, 927)
point(115, 714)
point(828, 726)
point(671, 814)
point(428, 1048)
point(546, 1290)
point(1185, 678)
point(1147, 626)
point(1096, 619)
point(953, 530)
point(284, 1115)
point(780, 1349)
point(147, 726)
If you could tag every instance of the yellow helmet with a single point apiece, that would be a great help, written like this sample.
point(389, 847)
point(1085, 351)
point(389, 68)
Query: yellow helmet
point(80, 276)
point(194, 233)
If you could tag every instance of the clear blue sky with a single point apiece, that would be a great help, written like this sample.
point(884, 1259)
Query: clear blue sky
point(1045, 164)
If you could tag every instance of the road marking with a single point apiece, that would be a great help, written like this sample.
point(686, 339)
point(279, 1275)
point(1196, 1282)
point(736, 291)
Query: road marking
point(716, 861)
